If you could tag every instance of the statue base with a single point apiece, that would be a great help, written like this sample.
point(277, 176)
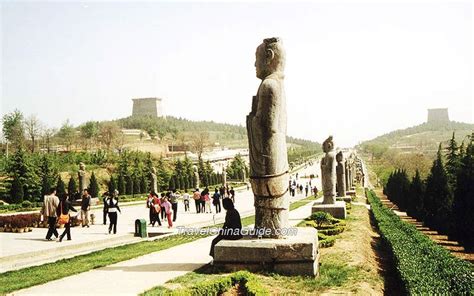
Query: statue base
point(351, 192)
point(344, 198)
point(337, 210)
point(292, 255)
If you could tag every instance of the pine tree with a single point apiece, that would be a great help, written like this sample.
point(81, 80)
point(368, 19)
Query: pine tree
point(185, 183)
point(128, 185)
point(71, 186)
point(172, 184)
point(452, 162)
point(111, 186)
point(415, 200)
point(143, 184)
point(94, 186)
point(121, 185)
point(60, 187)
point(21, 168)
point(46, 175)
point(438, 197)
point(193, 181)
point(16, 190)
point(463, 204)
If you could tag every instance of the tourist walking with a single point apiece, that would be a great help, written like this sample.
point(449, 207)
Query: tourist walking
point(104, 209)
point(64, 207)
point(216, 200)
point(306, 189)
point(149, 204)
point(197, 200)
point(174, 195)
point(186, 199)
point(207, 200)
point(155, 207)
point(85, 208)
point(204, 196)
point(162, 200)
point(222, 191)
point(113, 207)
point(50, 206)
point(232, 229)
point(232, 194)
point(166, 206)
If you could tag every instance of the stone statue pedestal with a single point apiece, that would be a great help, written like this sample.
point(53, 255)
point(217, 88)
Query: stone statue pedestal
point(337, 210)
point(292, 255)
point(351, 192)
point(346, 198)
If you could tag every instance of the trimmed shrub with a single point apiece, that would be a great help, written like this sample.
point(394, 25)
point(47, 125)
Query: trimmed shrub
point(423, 266)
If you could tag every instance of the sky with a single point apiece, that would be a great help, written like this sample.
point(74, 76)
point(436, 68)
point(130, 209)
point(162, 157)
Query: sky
point(354, 70)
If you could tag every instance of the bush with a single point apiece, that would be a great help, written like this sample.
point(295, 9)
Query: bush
point(423, 266)
point(321, 218)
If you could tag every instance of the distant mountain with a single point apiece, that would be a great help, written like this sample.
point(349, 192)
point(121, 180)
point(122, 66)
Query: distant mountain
point(423, 138)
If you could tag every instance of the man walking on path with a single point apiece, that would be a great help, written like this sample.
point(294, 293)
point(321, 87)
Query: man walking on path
point(174, 203)
point(85, 208)
point(50, 206)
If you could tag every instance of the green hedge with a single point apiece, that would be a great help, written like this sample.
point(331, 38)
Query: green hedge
point(423, 266)
point(218, 286)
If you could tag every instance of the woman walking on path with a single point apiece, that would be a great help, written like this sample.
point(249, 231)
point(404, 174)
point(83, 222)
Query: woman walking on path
point(216, 200)
point(64, 207)
point(156, 209)
point(197, 200)
point(166, 206)
point(186, 198)
point(149, 205)
point(162, 200)
point(113, 207)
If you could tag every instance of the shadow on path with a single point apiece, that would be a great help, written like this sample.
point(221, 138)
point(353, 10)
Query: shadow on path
point(156, 267)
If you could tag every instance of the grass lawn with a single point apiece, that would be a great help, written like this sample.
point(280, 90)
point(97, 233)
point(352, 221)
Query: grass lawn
point(349, 267)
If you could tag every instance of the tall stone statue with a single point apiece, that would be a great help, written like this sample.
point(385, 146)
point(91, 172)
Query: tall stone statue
point(341, 175)
point(154, 180)
point(328, 172)
point(82, 177)
point(266, 129)
point(196, 176)
point(346, 174)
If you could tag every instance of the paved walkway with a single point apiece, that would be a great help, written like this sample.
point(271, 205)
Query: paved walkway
point(18, 250)
point(143, 273)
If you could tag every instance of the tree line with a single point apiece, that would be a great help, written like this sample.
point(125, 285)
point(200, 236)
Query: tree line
point(445, 199)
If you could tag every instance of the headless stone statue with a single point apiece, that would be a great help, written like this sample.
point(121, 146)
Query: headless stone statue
point(266, 129)
point(82, 177)
point(196, 176)
point(154, 180)
point(341, 178)
point(328, 172)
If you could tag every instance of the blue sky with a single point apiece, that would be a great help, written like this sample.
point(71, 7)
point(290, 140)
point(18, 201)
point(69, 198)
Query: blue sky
point(354, 70)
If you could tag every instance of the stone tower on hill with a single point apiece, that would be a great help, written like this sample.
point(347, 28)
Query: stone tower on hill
point(439, 115)
point(147, 107)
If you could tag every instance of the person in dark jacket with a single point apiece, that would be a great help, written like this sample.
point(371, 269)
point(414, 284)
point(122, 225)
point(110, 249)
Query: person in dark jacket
point(216, 200)
point(64, 207)
point(232, 229)
point(104, 202)
point(113, 207)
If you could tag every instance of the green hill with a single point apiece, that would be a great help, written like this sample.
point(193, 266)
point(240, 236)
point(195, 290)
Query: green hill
point(421, 138)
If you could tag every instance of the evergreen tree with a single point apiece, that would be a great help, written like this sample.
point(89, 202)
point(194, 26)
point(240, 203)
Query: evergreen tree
point(16, 190)
point(46, 175)
point(71, 186)
point(121, 184)
point(185, 183)
point(94, 186)
point(60, 187)
point(136, 184)
point(111, 186)
point(452, 162)
point(415, 200)
point(177, 180)
point(438, 197)
point(143, 184)
point(193, 181)
point(128, 185)
point(463, 204)
point(172, 184)
point(20, 167)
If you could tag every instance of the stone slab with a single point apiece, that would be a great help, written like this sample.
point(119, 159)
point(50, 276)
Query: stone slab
point(293, 255)
point(351, 193)
point(344, 198)
point(337, 210)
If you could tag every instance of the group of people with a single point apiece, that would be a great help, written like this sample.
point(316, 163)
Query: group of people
point(164, 205)
point(296, 188)
point(57, 211)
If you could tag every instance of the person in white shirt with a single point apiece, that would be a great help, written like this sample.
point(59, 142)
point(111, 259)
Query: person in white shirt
point(186, 198)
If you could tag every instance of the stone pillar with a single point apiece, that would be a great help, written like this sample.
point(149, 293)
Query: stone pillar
point(224, 176)
point(340, 174)
point(196, 176)
point(346, 174)
point(154, 180)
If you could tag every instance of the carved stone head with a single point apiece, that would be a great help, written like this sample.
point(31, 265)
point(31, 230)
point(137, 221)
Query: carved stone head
point(270, 57)
point(82, 166)
point(328, 145)
point(339, 156)
point(153, 170)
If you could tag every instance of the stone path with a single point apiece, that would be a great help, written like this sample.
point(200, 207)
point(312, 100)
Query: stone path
point(453, 246)
point(137, 275)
